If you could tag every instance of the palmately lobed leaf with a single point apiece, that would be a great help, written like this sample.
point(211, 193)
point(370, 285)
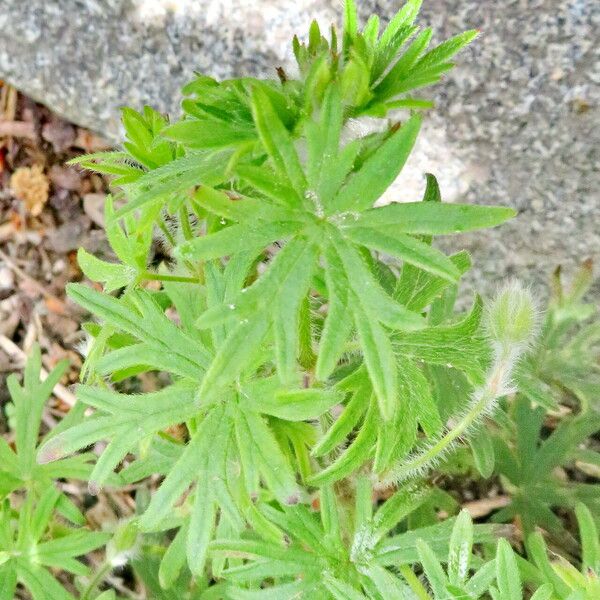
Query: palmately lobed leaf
point(306, 339)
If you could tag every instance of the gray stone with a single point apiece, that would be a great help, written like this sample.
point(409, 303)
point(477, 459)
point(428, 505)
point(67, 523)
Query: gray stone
point(87, 58)
point(516, 123)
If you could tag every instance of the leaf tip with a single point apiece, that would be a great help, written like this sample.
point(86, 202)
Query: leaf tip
point(50, 452)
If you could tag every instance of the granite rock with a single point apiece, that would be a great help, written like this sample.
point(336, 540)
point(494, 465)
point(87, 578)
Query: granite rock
point(517, 123)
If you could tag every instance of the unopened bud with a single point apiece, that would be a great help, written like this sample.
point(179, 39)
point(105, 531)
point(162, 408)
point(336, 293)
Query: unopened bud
point(123, 544)
point(512, 315)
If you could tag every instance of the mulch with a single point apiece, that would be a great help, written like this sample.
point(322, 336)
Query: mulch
point(47, 211)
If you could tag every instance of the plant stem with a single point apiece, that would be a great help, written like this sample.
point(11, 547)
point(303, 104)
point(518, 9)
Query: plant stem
point(188, 234)
point(163, 227)
point(150, 276)
point(484, 398)
point(413, 581)
point(98, 577)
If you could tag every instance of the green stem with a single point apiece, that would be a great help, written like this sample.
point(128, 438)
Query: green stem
point(98, 577)
point(188, 234)
point(169, 237)
point(492, 389)
point(413, 581)
point(150, 276)
point(163, 227)
point(443, 443)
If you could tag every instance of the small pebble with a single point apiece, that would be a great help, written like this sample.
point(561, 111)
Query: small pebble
point(7, 279)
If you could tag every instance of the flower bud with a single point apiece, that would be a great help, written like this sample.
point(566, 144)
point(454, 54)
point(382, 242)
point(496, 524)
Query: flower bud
point(512, 315)
point(123, 544)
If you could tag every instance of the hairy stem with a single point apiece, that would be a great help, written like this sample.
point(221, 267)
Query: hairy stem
point(482, 402)
point(150, 276)
point(165, 230)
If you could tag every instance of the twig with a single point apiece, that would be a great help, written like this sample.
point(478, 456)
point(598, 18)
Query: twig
point(483, 507)
point(36, 284)
point(8, 101)
point(21, 129)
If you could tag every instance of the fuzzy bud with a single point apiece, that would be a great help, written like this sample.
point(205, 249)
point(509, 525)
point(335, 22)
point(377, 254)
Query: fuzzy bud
point(123, 545)
point(512, 316)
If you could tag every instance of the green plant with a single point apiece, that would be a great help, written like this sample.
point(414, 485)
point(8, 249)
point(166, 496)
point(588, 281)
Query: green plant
point(533, 447)
point(466, 576)
point(18, 468)
point(567, 581)
point(529, 461)
point(253, 359)
point(33, 539)
point(327, 556)
point(315, 369)
point(564, 367)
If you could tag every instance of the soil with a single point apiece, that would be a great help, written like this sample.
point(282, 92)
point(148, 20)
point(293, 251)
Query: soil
point(47, 210)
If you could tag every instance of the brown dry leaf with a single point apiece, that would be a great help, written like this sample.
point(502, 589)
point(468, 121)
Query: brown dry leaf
point(62, 327)
point(7, 231)
point(101, 514)
point(69, 236)
point(179, 432)
point(7, 279)
point(31, 185)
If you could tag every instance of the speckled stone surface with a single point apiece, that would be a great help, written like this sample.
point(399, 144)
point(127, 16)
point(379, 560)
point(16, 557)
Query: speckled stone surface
point(87, 58)
point(517, 123)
